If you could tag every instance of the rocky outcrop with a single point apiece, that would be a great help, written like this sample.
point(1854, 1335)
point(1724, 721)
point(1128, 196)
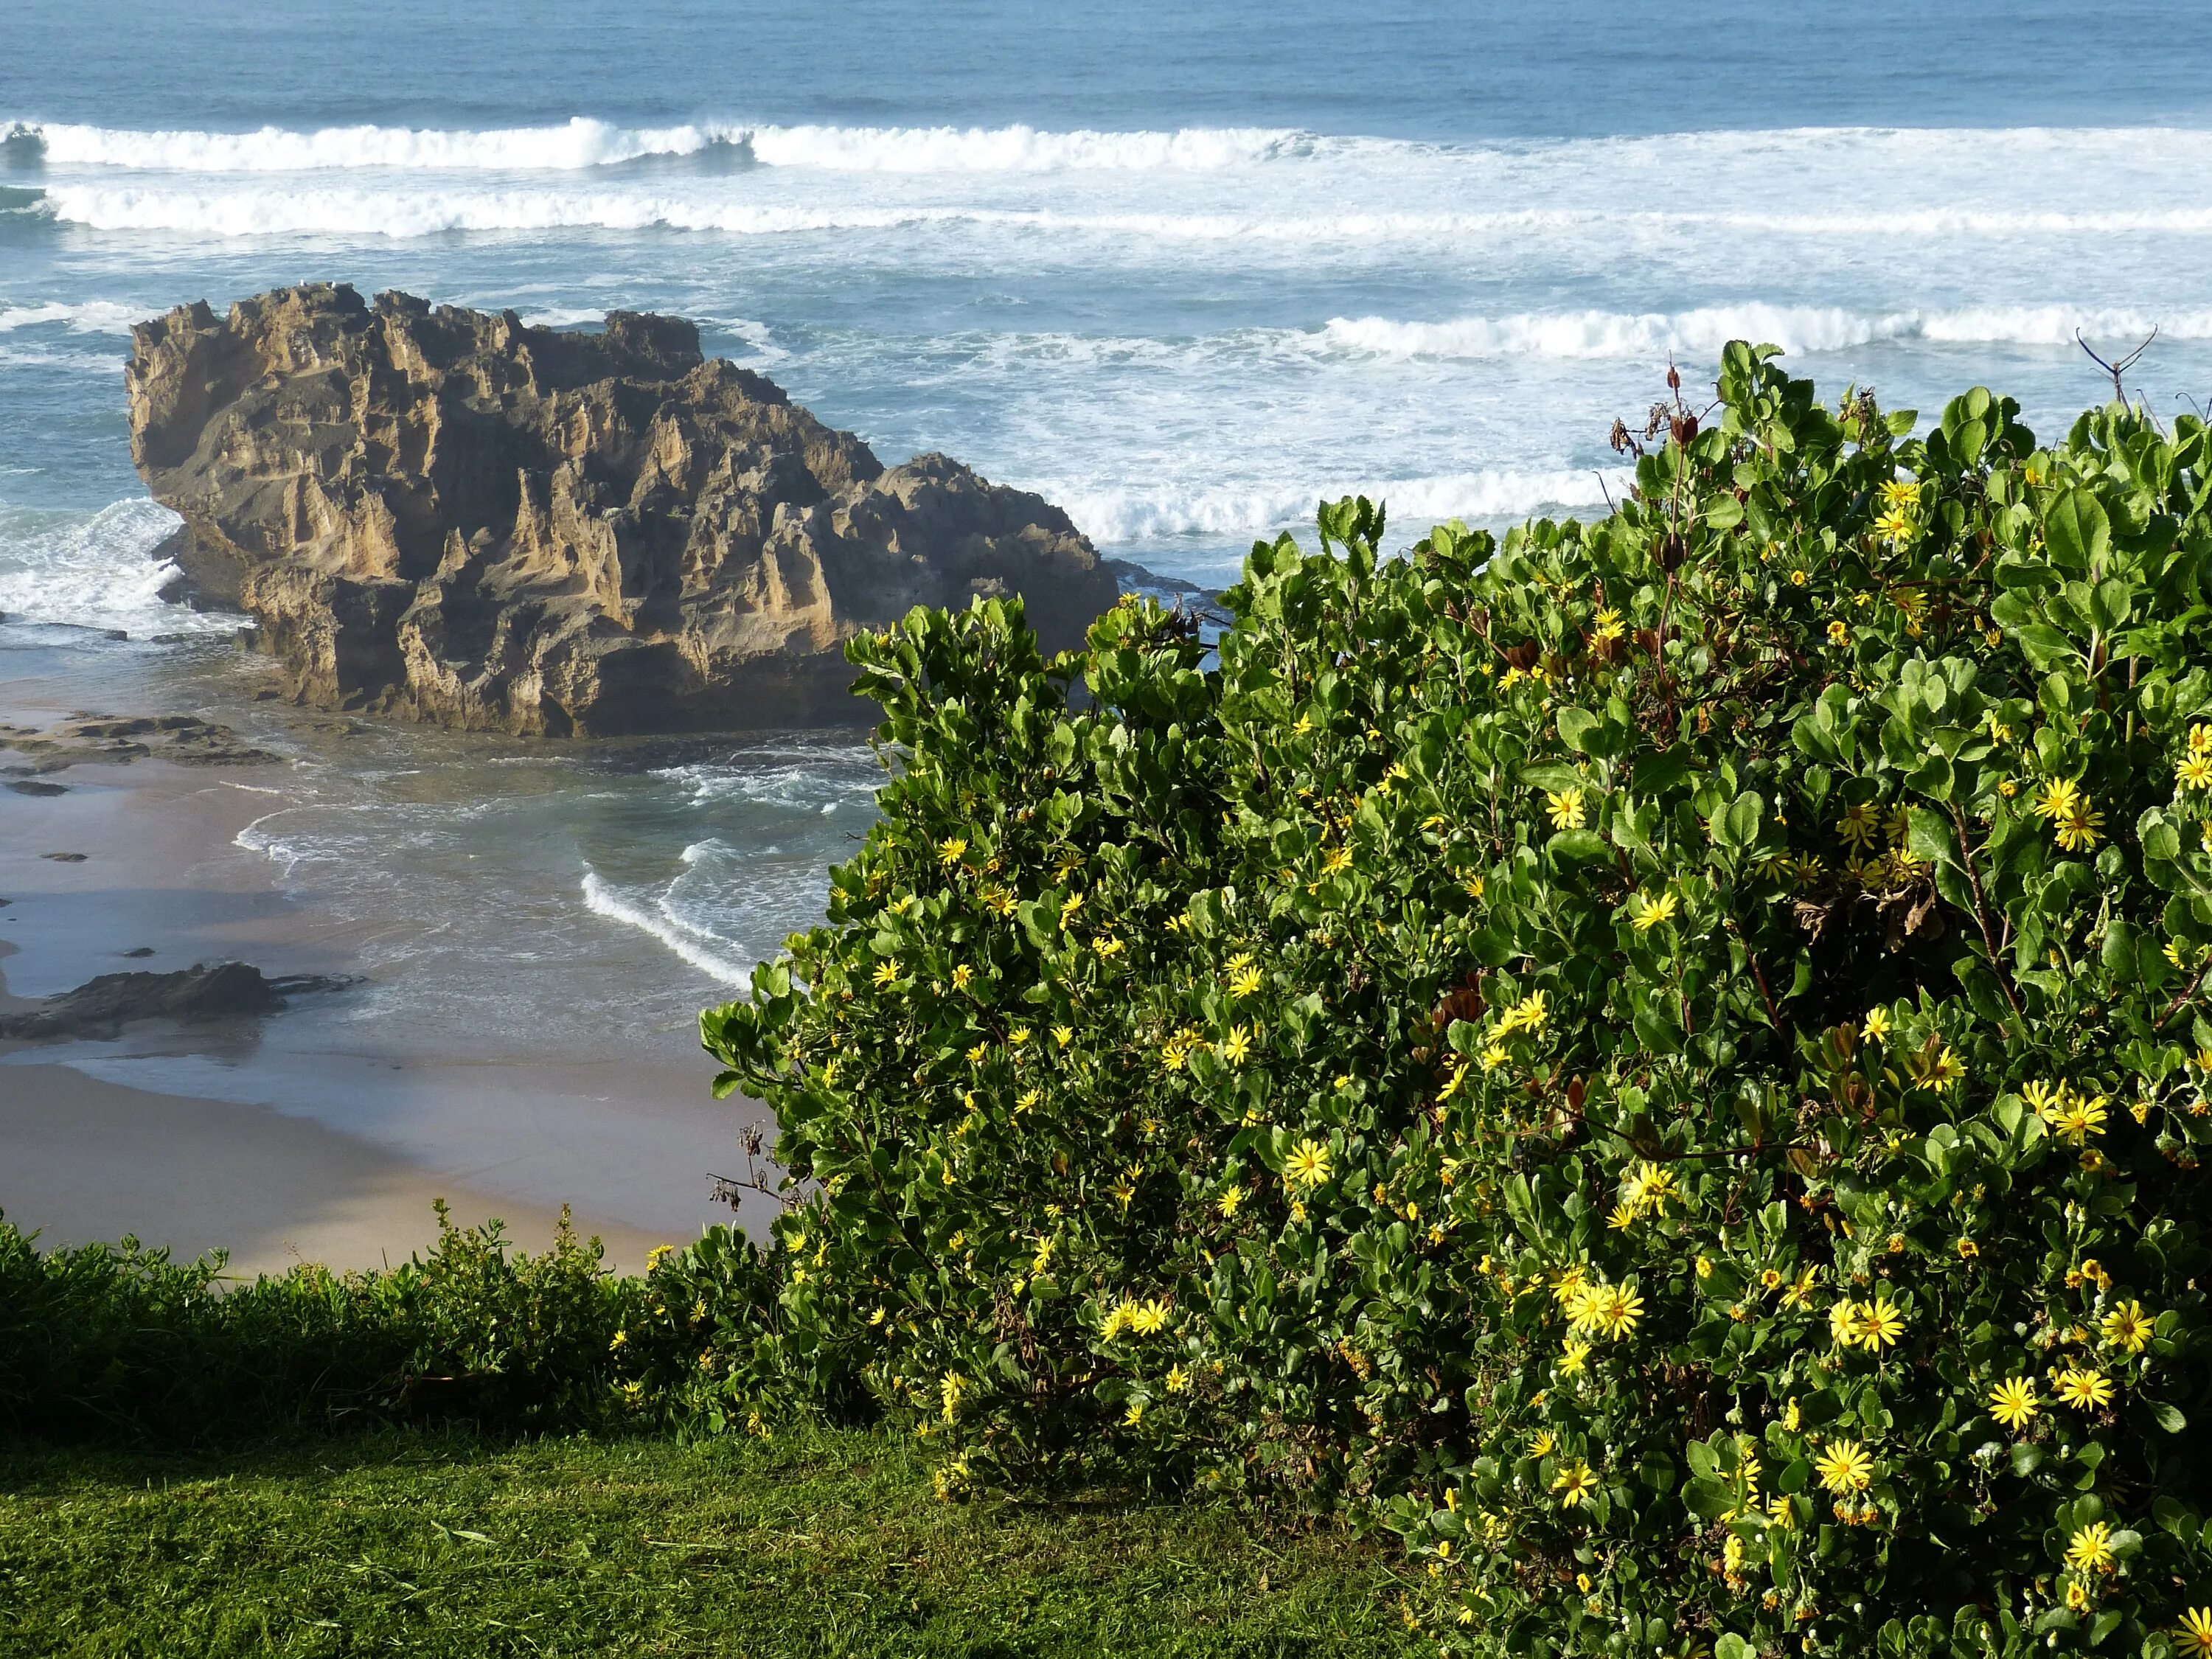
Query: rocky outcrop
point(184, 739)
point(102, 1008)
point(451, 516)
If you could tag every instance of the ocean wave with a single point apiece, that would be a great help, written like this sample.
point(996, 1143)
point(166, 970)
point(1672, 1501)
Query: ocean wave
point(1122, 515)
point(85, 317)
point(582, 143)
point(1798, 330)
point(818, 780)
point(366, 211)
point(691, 944)
point(94, 571)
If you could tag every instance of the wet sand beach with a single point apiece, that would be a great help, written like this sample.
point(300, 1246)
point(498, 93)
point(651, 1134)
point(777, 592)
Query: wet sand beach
point(323, 1132)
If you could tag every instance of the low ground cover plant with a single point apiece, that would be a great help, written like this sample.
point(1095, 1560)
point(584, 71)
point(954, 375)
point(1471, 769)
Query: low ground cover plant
point(1666, 1058)
point(109, 1342)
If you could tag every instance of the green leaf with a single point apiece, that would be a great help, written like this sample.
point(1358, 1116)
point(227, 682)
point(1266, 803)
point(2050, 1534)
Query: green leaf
point(1707, 1498)
point(1579, 847)
point(2077, 530)
point(1554, 776)
point(1736, 830)
point(1576, 724)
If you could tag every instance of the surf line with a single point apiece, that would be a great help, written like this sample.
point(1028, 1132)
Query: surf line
point(602, 900)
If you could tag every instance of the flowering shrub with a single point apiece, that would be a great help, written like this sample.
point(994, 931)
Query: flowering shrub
point(1667, 1059)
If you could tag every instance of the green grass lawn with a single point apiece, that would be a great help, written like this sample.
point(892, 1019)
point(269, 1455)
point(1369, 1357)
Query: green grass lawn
point(816, 1544)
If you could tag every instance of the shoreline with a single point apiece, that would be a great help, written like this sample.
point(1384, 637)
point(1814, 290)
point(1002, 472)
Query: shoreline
point(91, 1162)
point(322, 1131)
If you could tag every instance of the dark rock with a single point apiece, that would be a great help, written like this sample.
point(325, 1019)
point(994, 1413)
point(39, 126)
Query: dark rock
point(449, 516)
point(33, 786)
point(102, 1008)
point(64, 858)
point(141, 951)
point(184, 739)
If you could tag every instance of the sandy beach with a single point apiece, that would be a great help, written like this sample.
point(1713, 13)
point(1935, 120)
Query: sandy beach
point(83, 1160)
point(322, 1133)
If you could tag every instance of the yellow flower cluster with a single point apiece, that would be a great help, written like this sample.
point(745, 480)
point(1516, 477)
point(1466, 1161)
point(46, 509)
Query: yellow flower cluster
point(1597, 1309)
point(1872, 1325)
point(1648, 1190)
point(2074, 821)
point(1527, 1015)
point(2068, 1114)
point(2194, 769)
point(1145, 1318)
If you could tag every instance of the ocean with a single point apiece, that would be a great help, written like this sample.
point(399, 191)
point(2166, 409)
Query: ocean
point(1183, 269)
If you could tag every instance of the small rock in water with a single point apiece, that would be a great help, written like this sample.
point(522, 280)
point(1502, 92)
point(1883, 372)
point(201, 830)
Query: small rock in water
point(102, 1008)
point(33, 786)
point(143, 950)
point(64, 858)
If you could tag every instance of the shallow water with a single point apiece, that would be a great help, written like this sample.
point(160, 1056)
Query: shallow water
point(1184, 270)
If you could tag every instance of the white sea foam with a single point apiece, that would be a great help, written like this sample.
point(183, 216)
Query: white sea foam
point(94, 571)
point(582, 143)
point(362, 210)
point(1796, 329)
point(85, 317)
point(691, 944)
point(257, 837)
point(1120, 514)
point(1024, 148)
point(815, 778)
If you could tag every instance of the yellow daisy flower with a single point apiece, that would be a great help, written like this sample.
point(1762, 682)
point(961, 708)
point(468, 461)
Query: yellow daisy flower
point(1308, 1165)
point(2013, 1402)
point(2084, 1388)
point(1575, 1484)
point(1878, 1323)
point(2127, 1327)
point(1845, 1468)
point(2090, 1548)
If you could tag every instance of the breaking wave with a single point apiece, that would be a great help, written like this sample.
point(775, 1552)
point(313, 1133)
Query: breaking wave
point(94, 571)
point(86, 317)
point(1114, 516)
point(1798, 330)
point(700, 948)
point(582, 143)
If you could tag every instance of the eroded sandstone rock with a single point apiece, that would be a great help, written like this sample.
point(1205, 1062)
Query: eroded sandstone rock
point(451, 516)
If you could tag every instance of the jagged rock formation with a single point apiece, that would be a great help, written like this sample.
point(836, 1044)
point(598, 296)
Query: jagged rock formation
point(454, 517)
